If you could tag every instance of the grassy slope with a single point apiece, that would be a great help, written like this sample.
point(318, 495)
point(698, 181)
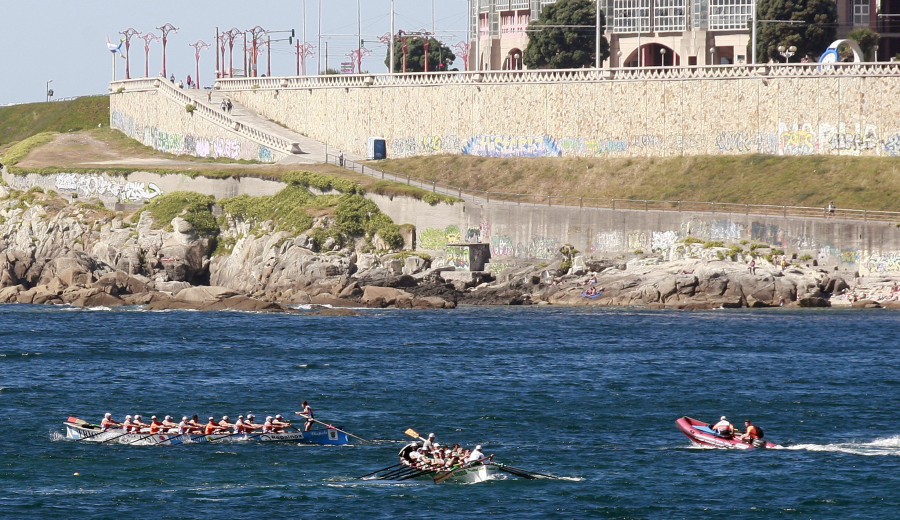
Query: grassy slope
point(18, 122)
point(852, 182)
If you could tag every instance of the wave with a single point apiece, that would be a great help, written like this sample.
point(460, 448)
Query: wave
point(877, 447)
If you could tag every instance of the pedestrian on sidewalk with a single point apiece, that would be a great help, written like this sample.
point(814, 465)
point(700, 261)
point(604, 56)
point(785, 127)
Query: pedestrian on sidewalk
point(228, 104)
point(209, 96)
point(341, 159)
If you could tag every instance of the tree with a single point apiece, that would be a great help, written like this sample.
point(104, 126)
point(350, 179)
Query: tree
point(867, 40)
point(571, 46)
point(813, 30)
point(439, 55)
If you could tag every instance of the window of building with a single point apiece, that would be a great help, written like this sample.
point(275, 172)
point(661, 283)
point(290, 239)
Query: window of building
point(861, 11)
point(668, 15)
point(728, 15)
point(630, 16)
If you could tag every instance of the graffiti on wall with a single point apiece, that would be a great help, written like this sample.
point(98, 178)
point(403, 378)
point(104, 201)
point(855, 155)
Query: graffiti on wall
point(435, 238)
point(502, 245)
point(797, 139)
point(187, 144)
point(457, 256)
point(99, 186)
point(512, 146)
point(747, 142)
point(608, 241)
point(767, 233)
point(879, 263)
point(427, 145)
point(588, 147)
point(662, 240)
point(892, 145)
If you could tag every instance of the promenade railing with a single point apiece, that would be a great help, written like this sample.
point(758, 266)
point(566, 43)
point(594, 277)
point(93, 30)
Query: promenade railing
point(566, 201)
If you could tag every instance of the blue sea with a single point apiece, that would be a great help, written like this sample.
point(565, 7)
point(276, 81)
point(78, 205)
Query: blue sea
point(587, 395)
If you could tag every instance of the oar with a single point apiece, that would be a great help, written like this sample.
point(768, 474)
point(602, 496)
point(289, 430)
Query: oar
point(405, 470)
point(142, 438)
point(415, 435)
point(329, 426)
point(114, 438)
point(415, 474)
point(534, 474)
point(380, 470)
point(516, 473)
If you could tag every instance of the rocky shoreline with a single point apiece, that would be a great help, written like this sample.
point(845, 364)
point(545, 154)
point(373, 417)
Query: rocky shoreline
point(80, 255)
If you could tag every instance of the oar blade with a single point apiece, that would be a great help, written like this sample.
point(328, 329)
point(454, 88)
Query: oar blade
point(412, 433)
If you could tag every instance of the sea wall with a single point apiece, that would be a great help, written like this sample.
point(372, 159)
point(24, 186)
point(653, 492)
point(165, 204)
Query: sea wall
point(773, 110)
point(157, 121)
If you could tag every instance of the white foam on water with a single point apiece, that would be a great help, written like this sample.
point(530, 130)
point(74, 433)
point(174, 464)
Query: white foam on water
point(879, 447)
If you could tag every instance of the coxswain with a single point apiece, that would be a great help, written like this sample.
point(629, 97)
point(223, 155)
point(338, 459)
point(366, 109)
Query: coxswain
point(211, 427)
point(308, 413)
point(107, 423)
point(723, 428)
point(751, 434)
point(279, 424)
point(225, 424)
point(155, 425)
point(138, 426)
point(429, 443)
point(169, 425)
point(127, 425)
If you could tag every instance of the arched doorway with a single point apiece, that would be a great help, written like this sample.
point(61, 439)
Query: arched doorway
point(651, 55)
point(513, 60)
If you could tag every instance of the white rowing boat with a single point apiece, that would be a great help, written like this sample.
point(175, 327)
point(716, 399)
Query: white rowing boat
point(92, 433)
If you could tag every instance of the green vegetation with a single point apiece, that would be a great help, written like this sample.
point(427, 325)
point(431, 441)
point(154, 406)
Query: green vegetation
point(357, 215)
point(19, 122)
point(814, 28)
point(569, 46)
point(287, 209)
point(393, 189)
point(440, 56)
point(321, 182)
point(195, 208)
point(21, 149)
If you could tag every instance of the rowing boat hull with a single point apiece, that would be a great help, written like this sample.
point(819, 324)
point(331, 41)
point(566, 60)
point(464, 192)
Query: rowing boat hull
point(321, 437)
point(700, 433)
point(467, 475)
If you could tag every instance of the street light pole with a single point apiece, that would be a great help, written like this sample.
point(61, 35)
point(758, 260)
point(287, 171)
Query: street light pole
point(166, 29)
point(147, 37)
point(787, 52)
point(753, 35)
point(198, 46)
point(49, 92)
point(128, 33)
point(391, 45)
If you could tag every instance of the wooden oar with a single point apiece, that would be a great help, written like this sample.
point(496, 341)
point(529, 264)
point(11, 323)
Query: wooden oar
point(516, 473)
point(142, 438)
point(114, 438)
point(405, 470)
point(447, 475)
point(524, 472)
point(329, 426)
point(415, 435)
point(415, 474)
point(380, 470)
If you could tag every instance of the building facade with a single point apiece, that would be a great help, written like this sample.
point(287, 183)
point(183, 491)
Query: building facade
point(652, 33)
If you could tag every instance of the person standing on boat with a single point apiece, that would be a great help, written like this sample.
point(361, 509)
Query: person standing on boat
point(107, 423)
point(724, 428)
point(476, 455)
point(428, 445)
point(308, 412)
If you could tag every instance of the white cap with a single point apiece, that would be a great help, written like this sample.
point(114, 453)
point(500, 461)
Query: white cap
point(128, 417)
point(478, 447)
point(278, 416)
point(153, 418)
point(108, 415)
point(137, 416)
point(224, 417)
point(269, 418)
point(184, 418)
point(168, 417)
point(723, 418)
point(212, 418)
point(430, 435)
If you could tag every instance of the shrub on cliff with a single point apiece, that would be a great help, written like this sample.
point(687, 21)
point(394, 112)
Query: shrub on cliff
point(356, 215)
point(195, 208)
point(287, 208)
point(321, 182)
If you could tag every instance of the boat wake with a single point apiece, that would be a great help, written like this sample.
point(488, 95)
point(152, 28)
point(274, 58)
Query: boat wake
point(886, 446)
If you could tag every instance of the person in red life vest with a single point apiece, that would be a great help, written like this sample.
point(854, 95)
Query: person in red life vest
point(751, 434)
point(723, 428)
point(108, 423)
point(211, 427)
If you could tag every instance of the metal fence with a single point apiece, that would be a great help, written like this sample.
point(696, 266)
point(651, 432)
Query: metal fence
point(531, 199)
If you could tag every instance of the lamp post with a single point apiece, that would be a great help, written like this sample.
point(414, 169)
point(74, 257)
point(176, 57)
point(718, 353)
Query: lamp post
point(662, 56)
point(49, 92)
point(147, 37)
point(597, 35)
point(875, 53)
point(128, 33)
point(712, 55)
point(787, 52)
point(619, 59)
point(166, 29)
point(198, 46)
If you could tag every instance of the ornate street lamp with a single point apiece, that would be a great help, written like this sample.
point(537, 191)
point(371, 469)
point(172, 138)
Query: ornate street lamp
point(787, 52)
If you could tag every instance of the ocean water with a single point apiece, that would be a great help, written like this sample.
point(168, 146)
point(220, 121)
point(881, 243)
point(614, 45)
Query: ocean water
point(589, 395)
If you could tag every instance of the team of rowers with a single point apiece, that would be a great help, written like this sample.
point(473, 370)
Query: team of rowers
point(431, 456)
point(135, 424)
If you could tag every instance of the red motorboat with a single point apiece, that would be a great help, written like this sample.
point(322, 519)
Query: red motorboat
point(701, 433)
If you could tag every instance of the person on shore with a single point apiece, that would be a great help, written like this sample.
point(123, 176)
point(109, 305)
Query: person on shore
point(308, 413)
point(752, 266)
point(341, 158)
point(783, 262)
point(108, 423)
point(830, 208)
point(724, 428)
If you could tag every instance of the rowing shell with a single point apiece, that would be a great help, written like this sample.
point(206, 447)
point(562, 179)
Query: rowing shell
point(324, 437)
point(466, 475)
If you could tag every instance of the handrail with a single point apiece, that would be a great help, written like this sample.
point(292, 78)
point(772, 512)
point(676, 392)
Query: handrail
point(530, 199)
point(174, 93)
point(660, 73)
